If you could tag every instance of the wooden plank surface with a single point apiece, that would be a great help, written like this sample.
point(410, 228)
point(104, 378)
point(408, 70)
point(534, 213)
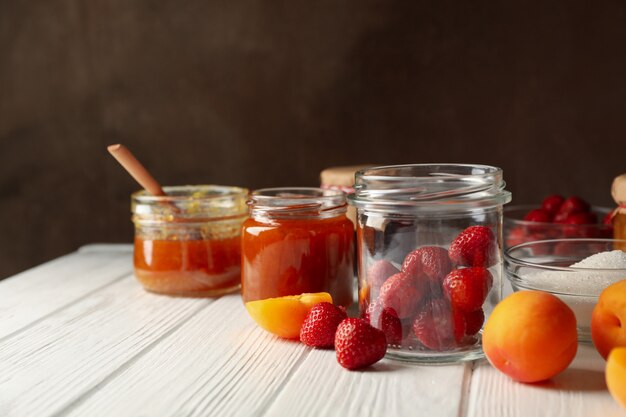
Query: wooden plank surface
point(218, 363)
point(578, 391)
point(49, 366)
point(38, 292)
point(320, 387)
point(79, 337)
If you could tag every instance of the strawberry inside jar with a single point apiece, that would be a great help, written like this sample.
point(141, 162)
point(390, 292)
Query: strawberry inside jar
point(430, 256)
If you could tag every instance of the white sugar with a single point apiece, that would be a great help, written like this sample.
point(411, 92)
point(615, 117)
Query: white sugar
point(580, 289)
point(583, 282)
point(615, 259)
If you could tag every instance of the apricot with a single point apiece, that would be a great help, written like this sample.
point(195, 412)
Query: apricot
point(283, 316)
point(616, 374)
point(608, 320)
point(530, 336)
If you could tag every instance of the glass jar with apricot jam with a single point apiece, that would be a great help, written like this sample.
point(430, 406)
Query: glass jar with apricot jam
point(188, 242)
point(297, 240)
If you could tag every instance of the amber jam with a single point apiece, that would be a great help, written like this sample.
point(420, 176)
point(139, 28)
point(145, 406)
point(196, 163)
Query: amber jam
point(188, 243)
point(297, 240)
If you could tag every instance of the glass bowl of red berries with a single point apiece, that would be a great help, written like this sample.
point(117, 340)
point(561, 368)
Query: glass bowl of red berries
point(556, 218)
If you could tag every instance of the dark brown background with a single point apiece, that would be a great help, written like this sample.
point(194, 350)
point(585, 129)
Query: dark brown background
point(260, 93)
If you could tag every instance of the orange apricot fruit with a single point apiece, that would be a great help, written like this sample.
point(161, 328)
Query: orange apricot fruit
point(608, 320)
point(530, 336)
point(616, 374)
point(283, 316)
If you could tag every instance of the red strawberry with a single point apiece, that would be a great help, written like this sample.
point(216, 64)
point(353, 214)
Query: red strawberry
point(474, 246)
point(474, 322)
point(371, 314)
point(467, 288)
point(412, 264)
point(379, 272)
point(428, 265)
point(571, 206)
point(320, 324)
point(386, 320)
point(401, 293)
point(390, 325)
point(358, 344)
point(538, 215)
point(552, 203)
point(436, 327)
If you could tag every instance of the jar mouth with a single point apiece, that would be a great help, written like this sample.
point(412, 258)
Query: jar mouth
point(198, 202)
point(297, 202)
point(430, 187)
point(184, 193)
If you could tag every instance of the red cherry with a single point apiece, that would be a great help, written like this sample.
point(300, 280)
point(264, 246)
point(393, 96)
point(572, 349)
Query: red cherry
point(573, 205)
point(538, 215)
point(552, 203)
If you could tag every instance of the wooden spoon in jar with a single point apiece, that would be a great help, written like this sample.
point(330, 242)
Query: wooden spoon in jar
point(135, 169)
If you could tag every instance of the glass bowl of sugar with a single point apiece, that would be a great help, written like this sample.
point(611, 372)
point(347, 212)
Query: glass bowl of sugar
point(574, 270)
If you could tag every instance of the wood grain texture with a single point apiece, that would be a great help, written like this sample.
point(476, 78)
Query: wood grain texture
point(320, 387)
point(218, 363)
point(116, 350)
point(34, 294)
point(52, 364)
point(579, 391)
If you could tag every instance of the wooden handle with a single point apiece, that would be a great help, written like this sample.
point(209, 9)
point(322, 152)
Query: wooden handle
point(135, 169)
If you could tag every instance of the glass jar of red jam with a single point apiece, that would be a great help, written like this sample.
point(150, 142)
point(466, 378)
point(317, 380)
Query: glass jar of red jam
point(188, 242)
point(297, 240)
point(429, 244)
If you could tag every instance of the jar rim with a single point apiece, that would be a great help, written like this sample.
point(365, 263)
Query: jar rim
point(429, 187)
point(489, 170)
point(297, 202)
point(193, 203)
point(178, 193)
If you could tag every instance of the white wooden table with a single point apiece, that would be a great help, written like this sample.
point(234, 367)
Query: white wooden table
point(80, 337)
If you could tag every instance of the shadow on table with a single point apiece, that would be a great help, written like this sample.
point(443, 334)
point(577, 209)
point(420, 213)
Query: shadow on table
point(386, 366)
point(389, 365)
point(576, 380)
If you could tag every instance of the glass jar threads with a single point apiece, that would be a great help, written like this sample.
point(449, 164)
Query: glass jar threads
point(297, 240)
point(188, 242)
point(430, 256)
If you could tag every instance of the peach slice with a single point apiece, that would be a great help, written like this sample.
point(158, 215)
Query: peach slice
point(616, 374)
point(283, 316)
